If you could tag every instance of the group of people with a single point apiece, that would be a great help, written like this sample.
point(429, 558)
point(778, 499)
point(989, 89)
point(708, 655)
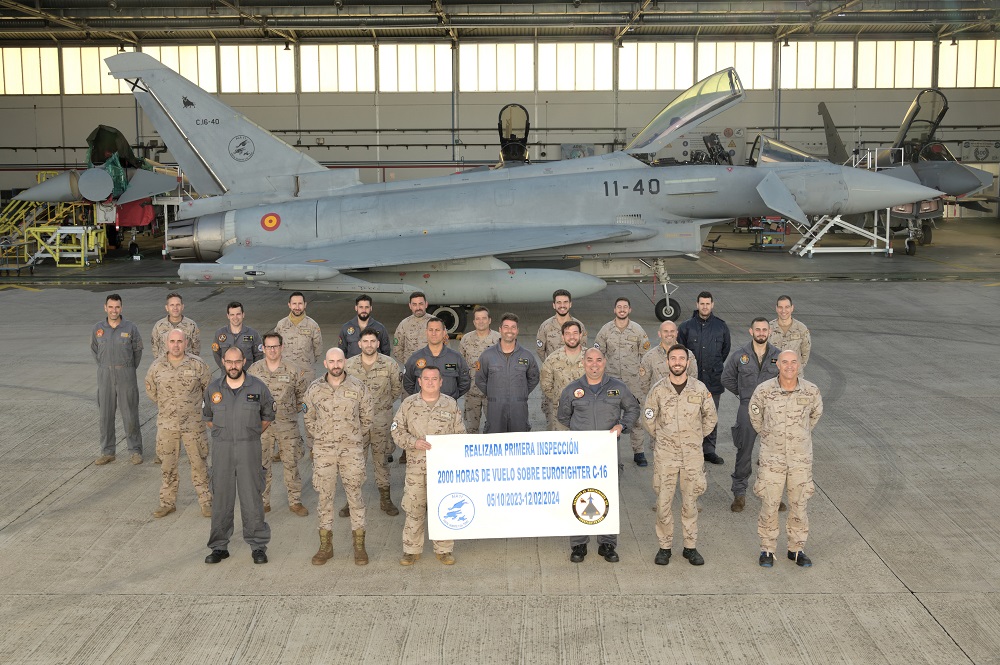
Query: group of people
point(268, 381)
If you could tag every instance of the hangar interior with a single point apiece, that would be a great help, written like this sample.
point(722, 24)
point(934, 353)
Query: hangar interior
point(415, 88)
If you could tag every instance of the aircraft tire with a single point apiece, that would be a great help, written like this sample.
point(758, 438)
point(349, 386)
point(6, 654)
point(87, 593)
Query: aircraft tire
point(454, 317)
point(668, 310)
point(911, 247)
point(926, 233)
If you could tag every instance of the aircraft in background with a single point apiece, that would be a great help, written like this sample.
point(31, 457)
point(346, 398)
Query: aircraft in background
point(916, 156)
point(269, 213)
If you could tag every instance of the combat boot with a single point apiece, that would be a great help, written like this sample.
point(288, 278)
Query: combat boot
point(385, 502)
point(325, 552)
point(345, 511)
point(360, 555)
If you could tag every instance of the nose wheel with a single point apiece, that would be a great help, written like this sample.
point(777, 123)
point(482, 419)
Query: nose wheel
point(668, 309)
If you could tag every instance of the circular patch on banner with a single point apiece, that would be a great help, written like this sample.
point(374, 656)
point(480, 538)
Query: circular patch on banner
point(456, 511)
point(578, 393)
point(590, 506)
point(421, 363)
point(270, 221)
point(216, 398)
point(649, 414)
point(100, 332)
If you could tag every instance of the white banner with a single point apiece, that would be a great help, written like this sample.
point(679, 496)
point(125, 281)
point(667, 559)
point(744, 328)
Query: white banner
point(521, 485)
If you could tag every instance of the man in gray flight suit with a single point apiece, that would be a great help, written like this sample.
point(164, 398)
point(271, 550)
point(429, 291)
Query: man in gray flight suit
point(597, 401)
point(238, 408)
point(507, 374)
point(455, 376)
point(117, 349)
point(745, 369)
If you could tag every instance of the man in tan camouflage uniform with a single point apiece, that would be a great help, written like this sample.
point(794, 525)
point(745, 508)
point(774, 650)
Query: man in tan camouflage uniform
point(287, 383)
point(549, 340)
point(411, 333)
point(303, 341)
point(790, 334)
point(176, 383)
point(624, 342)
point(654, 363)
point(785, 410)
point(175, 319)
point(383, 376)
point(420, 415)
point(471, 347)
point(339, 413)
point(678, 413)
point(561, 369)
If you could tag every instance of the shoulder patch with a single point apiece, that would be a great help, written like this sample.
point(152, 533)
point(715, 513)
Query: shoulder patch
point(393, 427)
point(100, 333)
point(215, 346)
point(754, 409)
point(649, 414)
point(645, 345)
point(476, 366)
point(395, 341)
point(578, 393)
point(216, 398)
point(539, 342)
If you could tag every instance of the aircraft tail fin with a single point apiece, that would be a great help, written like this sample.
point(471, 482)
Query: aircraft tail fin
point(219, 149)
point(836, 150)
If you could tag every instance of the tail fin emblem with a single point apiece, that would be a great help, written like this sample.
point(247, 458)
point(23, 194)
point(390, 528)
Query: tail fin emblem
point(241, 148)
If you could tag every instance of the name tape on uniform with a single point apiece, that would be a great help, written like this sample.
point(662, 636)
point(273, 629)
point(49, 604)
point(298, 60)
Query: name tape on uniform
point(522, 485)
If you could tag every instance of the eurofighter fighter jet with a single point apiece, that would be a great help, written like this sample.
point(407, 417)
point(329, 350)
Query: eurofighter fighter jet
point(269, 213)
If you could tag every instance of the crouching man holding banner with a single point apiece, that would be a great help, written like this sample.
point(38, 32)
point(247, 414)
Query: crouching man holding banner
point(597, 402)
point(425, 413)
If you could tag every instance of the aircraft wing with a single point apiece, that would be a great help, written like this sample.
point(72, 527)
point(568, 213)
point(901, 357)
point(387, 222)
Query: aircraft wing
point(323, 262)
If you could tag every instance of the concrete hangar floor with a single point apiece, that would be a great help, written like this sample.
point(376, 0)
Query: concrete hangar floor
point(904, 533)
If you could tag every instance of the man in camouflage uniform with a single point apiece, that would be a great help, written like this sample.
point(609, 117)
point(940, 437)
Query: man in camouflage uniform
point(654, 363)
point(350, 332)
point(785, 411)
point(790, 334)
point(411, 333)
point(624, 342)
point(176, 383)
point(507, 374)
point(117, 349)
point(287, 382)
point(746, 368)
point(303, 341)
point(562, 368)
point(383, 376)
point(339, 413)
point(471, 347)
point(678, 413)
point(425, 413)
point(245, 338)
point(549, 340)
point(175, 319)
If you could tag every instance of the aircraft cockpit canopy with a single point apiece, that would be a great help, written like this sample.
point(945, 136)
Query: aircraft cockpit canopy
point(705, 99)
point(513, 125)
point(766, 150)
point(919, 125)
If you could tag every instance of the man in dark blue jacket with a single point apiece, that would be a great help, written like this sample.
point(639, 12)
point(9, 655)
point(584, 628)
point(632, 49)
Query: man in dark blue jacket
point(707, 336)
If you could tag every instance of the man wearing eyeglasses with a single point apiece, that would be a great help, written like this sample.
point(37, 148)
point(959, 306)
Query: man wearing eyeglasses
point(287, 383)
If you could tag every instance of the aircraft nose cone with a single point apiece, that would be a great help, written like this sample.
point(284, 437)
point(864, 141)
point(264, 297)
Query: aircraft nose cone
point(868, 191)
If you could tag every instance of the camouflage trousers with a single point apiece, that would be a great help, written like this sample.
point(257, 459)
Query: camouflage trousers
point(770, 484)
point(285, 435)
point(378, 444)
point(168, 447)
point(414, 504)
point(693, 484)
point(348, 460)
point(473, 412)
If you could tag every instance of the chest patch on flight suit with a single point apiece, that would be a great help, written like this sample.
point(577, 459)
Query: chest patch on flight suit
point(694, 399)
point(802, 400)
point(421, 363)
point(253, 397)
point(350, 331)
point(451, 367)
point(100, 332)
point(649, 414)
point(222, 337)
point(247, 338)
point(744, 359)
point(522, 361)
point(216, 398)
point(614, 393)
point(754, 409)
point(126, 335)
point(578, 393)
